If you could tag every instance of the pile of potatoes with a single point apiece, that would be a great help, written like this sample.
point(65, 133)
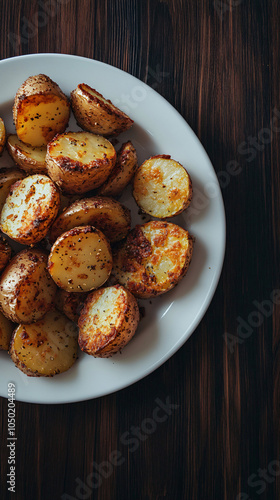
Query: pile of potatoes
point(78, 276)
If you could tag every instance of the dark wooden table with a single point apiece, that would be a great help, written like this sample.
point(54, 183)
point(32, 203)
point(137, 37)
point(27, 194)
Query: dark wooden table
point(217, 62)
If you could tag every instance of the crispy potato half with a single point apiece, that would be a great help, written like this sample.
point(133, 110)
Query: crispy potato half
point(79, 161)
point(121, 175)
point(30, 209)
point(162, 187)
point(108, 215)
point(5, 253)
point(26, 289)
point(108, 321)
point(45, 348)
point(96, 114)
point(8, 176)
point(153, 259)
point(40, 110)
point(2, 136)
point(29, 158)
point(80, 259)
point(6, 330)
point(70, 303)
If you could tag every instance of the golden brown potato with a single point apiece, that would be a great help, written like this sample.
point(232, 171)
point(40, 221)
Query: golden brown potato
point(108, 321)
point(70, 303)
point(153, 259)
point(45, 348)
point(5, 253)
point(40, 111)
point(8, 176)
point(26, 288)
point(108, 215)
point(29, 158)
point(79, 161)
point(80, 259)
point(30, 209)
point(2, 136)
point(162, 187)
point(96, 114)
point(123, 171)
point(6, 330)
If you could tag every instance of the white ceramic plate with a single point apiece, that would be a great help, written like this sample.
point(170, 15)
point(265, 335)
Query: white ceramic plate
point(169, 319)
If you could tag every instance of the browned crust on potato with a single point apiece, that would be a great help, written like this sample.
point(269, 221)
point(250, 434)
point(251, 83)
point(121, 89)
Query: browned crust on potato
point(126, 166)
point(5, 253)
point(29, 165)
point(70, 303)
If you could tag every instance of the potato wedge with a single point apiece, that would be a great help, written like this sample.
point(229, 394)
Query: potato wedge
point(40, 111)
point(30, 209)
point(96, 114)
point(108, 215)
point(26, 289)
point(79, 161)
point(153, 259)
point(8, 176)
point(5, 253)
point(108, 321)
point(125, 168)
point(162, 187)
point(2, 136)
point(6, 330)
point(45, 348)
point(29, 158)
point(80, 259)
point(70, 303)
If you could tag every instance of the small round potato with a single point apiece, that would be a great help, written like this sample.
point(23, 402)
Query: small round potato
point(80, 259)
point(96, 114)
point(29, 158)
point(108, 215)
point(108, 321)
point(40, 110)
point(8, 176)
point(5, 253)
point(153, 259)
point(79, 161)
point(30, 209)
point(45, 348)
point(26, 288)
point(162, 187)
point(6, 330)
point(123, 171)
point(2, 136)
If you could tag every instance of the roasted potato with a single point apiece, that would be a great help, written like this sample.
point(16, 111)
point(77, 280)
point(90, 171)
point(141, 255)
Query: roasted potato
point(96, 114)
point(79, 161)
point(40, 111)
point(108, 215)
point(8, 176)
point(108, 321)
point(26, 289)
point(5, 253)
point(123, 171)
point(162, 187)
point(45, 348)
point(80, 259)
point(30, 209)
point(29, 158)
point(153, 259)
point(70, 303)
point(6, 330)
point(2, 136)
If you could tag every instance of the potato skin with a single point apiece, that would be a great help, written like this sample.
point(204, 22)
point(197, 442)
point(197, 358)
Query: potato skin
point(3, 136)
point(153, 259)
point(5, 253)
point(8, 176)
point(70, 303)
point(32, 160)
point(35, 90)
point(108, 215)
point(121, 175)
point(96, 114)
point(103, 333)
point(6, 330)
point(73, 176)
point(26, 289)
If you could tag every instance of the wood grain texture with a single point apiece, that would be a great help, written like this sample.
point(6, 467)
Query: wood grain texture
point(219, 67)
